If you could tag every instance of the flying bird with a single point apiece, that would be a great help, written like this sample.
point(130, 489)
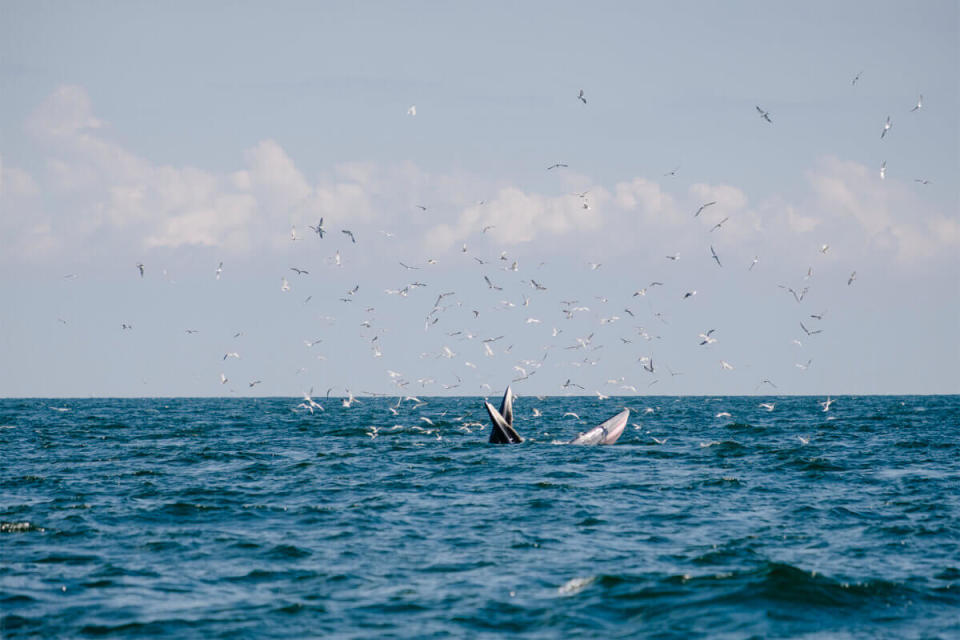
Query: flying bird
point(219, 270)
point(412, 111)
point(718, 225)
point(886, 127)
point(715, 256)
point(299, 272)
point(765, 115)
point(756, 259)
point(919, 104)
point(921, 180)
point(349, 233)
point(704, 206)
point(581, 98)
point(856, 78)
point(883, 170)
point(556, 166)
point(140, 267)
point(319, 230)
point(853, 276)
point(705, 337)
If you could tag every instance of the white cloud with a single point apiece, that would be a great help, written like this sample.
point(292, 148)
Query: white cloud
point(96, 191)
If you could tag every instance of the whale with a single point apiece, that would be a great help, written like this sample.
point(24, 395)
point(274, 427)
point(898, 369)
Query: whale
point(502, 431)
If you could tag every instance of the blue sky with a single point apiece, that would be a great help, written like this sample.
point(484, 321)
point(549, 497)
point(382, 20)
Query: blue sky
point(182, 137)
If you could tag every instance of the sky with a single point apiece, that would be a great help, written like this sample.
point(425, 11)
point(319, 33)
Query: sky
point(203, 142)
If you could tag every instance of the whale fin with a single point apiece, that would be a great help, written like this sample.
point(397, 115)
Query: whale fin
point(606, 433)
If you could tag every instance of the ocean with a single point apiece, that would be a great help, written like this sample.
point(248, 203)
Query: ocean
point(253, 518)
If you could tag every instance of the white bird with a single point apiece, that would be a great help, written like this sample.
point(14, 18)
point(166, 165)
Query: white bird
point(767, 405)
point(581, 98)
point(722, 414)
point(919, 104)
point(689, 294)
point(232, 354)
point(293, 233)
point(412, 111)
point(803, 441)
point(883, 170)
point(826, 404)
point(726, 365)
point(284, 285)
point(756, 259)
point(536, 413)
point(600, 396)
point(705, 337)
point(571, 414)
point(886, 127)
point(219, 270)
point(853, 276)
point(824, 248)
point(704, 206)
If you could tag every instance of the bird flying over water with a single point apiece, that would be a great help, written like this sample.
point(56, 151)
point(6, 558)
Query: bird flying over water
point(886, 127)
point(319, 230)
point(704, 206)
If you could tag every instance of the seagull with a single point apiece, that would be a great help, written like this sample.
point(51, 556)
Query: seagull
point(293, 233)
point(349, 233)
point(192, 331)
point(223, 379)
point(319, 230)
point(412, 111)
point(219, 270)
point(568, 384)
point(804, 367)
point(232, 354)
point(767, 405)
point(765, 115)
point(672, 173)
point(808, 332)
point(140, 267)
point(803, 441)
point(483, 230)
point(689, 294)
point(726, 365)
point(556, 165)
point(715, 257)
point(853, 276)
point(919, 104)
point(705, 337)
point(856, 78)
point(824, 248)
point(254, 383)
point(421, 207)
point(826, 404)
point(674, 257)
point(921, 180)
point(886, 127)
point(571, 414)
point(124, 325)
point(719, 224)
point(883, 170)
point(284, 285)
point(704, 206)
point(299, 272)
point(581, 98)
point(756, 259)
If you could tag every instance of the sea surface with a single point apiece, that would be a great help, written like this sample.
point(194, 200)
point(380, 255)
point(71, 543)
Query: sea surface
point(253, 518)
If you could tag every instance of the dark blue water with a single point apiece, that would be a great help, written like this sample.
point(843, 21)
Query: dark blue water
point(180, 518)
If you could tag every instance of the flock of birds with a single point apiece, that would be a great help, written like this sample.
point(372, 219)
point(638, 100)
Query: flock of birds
point(524, 291)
